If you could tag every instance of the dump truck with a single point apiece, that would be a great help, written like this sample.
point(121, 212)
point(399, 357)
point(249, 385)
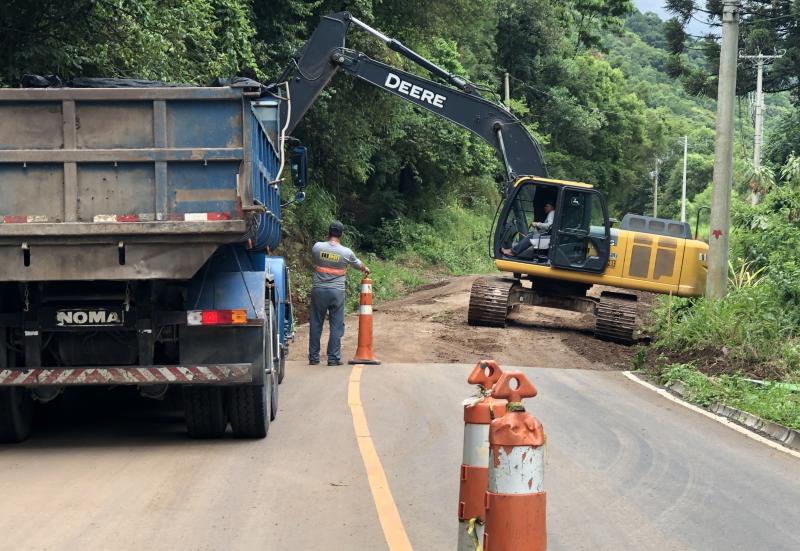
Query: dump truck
point(137, 230)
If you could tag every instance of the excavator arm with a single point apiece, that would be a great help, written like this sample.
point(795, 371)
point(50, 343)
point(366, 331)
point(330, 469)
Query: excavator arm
point(325, 54)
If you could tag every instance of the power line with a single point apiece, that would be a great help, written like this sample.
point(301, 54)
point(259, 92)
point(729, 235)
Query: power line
point(555, 97)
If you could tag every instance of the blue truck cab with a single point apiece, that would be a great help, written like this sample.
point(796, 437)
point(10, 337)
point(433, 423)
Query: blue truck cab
point(138, 230)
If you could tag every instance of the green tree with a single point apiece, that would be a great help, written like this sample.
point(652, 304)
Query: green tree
point(190, 41)
point(765, 25)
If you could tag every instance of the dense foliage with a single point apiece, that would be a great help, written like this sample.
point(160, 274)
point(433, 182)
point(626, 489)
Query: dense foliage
point(596, 95)
point(188, 41)
point(716, 347)
point(766, 26)
point(758, 322)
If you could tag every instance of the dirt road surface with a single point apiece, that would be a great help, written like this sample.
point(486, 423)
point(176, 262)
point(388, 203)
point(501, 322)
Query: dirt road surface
point(430, 326)
point(625, 469)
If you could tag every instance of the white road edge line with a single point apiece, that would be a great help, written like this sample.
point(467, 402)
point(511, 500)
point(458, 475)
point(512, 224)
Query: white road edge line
point(718, 418)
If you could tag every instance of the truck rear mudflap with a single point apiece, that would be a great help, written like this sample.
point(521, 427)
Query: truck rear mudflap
point(212, 374)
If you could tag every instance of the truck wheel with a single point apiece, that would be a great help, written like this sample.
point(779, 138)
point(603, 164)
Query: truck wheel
point(16, 414)
point(278, 354)
point(273, 403)
point(250, 408)
point(205, 411)
point(281, 369)
point(277, 362)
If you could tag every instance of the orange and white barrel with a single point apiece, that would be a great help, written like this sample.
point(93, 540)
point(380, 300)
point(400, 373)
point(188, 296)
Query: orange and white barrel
point(479, 411)
point(515, 500)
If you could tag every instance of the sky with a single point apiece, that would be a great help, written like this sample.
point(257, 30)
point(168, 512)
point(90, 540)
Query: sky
point(657, 6)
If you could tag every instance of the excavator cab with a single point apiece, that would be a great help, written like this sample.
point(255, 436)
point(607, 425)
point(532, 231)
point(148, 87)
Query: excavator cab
point(580, 237)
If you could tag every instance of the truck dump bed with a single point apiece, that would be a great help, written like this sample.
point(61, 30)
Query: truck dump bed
point(132, 183)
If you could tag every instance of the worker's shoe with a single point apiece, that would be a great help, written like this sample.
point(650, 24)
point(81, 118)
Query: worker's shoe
point(313, 362)
point(334, 362)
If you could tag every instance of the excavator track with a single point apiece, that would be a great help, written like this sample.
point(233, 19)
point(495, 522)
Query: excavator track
point(488, 302)
point(615, 317)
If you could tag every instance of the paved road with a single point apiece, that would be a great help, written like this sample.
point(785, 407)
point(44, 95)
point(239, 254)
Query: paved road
point(626, 469)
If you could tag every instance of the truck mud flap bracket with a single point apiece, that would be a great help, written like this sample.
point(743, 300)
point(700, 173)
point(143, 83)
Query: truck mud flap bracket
point(215, 374)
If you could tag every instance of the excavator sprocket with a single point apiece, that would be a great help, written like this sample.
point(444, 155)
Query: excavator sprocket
point(488, 302)
point(615, 317)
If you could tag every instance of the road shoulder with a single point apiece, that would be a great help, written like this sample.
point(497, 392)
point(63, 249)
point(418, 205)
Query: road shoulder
point(718, 418)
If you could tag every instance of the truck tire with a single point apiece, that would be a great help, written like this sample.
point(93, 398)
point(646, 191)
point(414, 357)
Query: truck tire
point(281, 369)
point(205, 411)
point(277, 361)
point(273, 402)
point(16, 415)
point(250, 408)
point(278, 357)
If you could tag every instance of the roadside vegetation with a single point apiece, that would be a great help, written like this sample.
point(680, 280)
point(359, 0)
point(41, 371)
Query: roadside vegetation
point(774, 401)
point(451, 239)
point(717, 347)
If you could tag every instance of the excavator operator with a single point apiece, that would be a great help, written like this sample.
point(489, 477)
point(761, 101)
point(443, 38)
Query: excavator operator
point(538, 238)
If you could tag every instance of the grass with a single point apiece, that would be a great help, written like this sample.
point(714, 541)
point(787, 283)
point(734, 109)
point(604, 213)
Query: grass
point(751, 330)
point(715, 346)
point(773, 402)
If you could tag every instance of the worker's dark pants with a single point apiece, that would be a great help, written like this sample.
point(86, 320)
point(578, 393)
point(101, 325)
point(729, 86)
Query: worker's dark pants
point(330, 302)
point(525, 244)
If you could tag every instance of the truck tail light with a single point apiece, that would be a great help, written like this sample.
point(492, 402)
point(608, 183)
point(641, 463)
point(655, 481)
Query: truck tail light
point(216, 317)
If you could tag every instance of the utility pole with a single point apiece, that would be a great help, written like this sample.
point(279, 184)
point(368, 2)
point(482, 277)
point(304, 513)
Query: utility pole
point(506, 91)
point(655, 188)
point(717, 281)
point(758, 138)
point(683, 187)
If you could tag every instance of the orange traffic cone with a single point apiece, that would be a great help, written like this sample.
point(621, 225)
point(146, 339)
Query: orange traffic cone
point(364, 354)
point(479, 412)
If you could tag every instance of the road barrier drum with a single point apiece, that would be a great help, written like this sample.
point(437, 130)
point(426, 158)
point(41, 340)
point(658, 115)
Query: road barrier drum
point(515, 500)
point(479, 411)
point(364, 353)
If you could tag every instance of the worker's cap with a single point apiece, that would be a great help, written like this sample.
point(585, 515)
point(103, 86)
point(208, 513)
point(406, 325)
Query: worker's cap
point(336, 228)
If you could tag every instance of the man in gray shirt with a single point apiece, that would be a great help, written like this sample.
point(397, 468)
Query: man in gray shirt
point(537, 236)
point(331, 260)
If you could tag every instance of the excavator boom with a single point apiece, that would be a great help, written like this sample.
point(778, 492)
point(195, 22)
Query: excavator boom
point(325, 54)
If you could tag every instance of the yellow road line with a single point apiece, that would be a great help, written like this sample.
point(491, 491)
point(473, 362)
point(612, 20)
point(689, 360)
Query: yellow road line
point(389, 516)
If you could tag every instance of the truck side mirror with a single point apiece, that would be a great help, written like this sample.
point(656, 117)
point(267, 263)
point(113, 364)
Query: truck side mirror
point(299, 165)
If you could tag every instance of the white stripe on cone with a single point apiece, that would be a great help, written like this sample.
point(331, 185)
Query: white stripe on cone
point(520, 471)
point(366, 288)
point(476, 445)
point(365, 310)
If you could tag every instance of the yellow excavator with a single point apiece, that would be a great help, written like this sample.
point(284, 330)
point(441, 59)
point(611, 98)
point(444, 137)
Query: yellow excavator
point(581, 249)
point(551, 255)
